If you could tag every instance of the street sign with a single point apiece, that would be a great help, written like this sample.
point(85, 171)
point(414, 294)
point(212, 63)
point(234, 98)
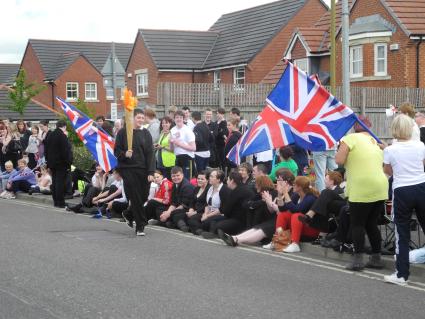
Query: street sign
point(114, 111)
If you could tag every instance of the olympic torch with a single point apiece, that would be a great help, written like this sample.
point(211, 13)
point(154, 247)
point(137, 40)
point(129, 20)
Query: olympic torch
point(130, 103)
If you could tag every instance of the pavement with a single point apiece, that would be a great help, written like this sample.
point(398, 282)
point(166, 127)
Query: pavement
point(55, 264)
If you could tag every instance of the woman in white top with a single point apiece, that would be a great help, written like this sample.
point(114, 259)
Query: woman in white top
point(408, 109)
point(404, 160)
point(182, 142)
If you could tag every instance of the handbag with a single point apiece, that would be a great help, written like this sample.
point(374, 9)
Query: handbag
point(281, 239)
point(14, 147)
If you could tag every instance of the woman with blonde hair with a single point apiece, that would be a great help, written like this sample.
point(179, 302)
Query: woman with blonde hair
point(408, 109)
point(404, 160)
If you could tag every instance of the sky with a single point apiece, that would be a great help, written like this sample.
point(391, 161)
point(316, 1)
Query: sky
point(102, 20)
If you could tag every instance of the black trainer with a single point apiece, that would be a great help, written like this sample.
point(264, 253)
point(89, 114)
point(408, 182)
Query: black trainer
point(228, 239)
point(129, 220)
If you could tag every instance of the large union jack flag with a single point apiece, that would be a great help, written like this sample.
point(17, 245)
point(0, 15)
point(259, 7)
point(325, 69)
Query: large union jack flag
point(97, 141)
point(298, 110)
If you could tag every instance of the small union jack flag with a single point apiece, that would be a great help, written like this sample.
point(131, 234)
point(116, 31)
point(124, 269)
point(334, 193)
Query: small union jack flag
point(298, 110)
point(97, 141)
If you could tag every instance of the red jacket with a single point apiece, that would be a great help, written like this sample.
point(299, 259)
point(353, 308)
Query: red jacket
point(164, 191)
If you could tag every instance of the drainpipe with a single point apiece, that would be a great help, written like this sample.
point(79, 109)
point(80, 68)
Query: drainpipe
point(417, 60)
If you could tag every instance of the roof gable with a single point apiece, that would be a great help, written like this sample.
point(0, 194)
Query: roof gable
point(410, 15)
point(242, 34)
point(51, 52)
point(177, 49)
point(34, 111)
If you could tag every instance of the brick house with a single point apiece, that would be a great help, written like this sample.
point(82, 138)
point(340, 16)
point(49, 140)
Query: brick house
point(240, 48)
point(76, 70)
point(386, 48)
point(34, 111)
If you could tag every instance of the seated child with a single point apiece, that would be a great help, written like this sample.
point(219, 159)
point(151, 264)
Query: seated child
point(4, 176)
point(44, 180)
point(22, 180)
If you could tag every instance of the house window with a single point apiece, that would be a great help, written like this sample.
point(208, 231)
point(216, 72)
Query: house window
point(142, 82)
point(356, 61)
point(380, 59)
point(302, 64)
point(72, 91)
point(91, 91)
point(217, 79)
point(239, 77)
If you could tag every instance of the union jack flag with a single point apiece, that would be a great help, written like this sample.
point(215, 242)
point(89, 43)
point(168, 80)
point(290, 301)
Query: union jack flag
point(298, 110)
point(99, 143)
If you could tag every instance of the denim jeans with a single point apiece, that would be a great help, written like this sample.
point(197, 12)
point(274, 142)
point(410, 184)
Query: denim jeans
point(323, 161)
point(201, 163)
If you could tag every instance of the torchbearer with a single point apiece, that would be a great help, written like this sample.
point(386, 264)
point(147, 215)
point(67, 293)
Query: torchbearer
point(135, 154)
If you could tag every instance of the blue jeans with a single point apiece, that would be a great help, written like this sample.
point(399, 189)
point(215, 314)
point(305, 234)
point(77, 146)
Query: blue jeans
point(201, 163)
point(405, 200)
point(323, 161)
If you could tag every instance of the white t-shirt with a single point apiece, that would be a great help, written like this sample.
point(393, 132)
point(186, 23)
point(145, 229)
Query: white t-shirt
point(406, 159)
point(190, 124)
point(416, 134)
point(183, 134)
point(265, 156)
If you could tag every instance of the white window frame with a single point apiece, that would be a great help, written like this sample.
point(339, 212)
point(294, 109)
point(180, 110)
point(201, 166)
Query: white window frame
point(377, 59)
point(352, 61)
point(299, 63)
point(95, 91)
point(142, 88)
point(237, 78)
point(217, 79)
point(67, 90)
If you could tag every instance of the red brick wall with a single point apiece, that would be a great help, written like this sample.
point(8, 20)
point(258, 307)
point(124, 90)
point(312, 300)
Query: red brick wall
point(298, 51)
point(180, 77)
point(141, 59)
point(272, 53)
point(401, 65)
point(74, 74)
point(35, 74)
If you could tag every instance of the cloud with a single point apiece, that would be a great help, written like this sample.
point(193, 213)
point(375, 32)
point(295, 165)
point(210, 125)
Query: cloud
point(96, 20)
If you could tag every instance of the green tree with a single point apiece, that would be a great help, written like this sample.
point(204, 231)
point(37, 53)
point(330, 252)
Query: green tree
point(23, 92)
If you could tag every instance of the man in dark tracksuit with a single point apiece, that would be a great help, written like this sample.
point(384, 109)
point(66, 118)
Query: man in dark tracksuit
point(137, 167)
point(58, 153)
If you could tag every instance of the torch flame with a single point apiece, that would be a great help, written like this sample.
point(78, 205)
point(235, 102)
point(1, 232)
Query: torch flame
point(130, 101)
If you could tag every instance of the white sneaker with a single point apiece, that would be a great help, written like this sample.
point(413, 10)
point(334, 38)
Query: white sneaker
point(153, 222)
point(140, 233)
point(3, 194)
point(393, 279)
point(269, 246)
point(9, 195)
point(292, 248)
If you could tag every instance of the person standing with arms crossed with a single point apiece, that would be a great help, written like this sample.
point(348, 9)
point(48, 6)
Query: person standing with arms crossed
point(137, 167)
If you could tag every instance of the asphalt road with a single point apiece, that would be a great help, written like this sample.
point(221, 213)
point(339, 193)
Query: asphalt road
point(60, 265)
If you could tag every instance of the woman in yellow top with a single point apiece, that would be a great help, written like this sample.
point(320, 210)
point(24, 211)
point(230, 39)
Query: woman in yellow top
point(367, 190)
point(165, 158)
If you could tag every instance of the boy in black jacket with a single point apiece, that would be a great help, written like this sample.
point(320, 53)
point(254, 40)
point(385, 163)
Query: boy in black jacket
point(181, 199)
point(203, 140)
point(137, 167)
